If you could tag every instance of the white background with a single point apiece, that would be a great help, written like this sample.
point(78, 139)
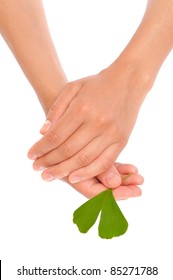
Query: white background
point(36, 217)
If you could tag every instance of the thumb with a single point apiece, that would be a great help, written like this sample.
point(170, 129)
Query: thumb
point(60, 105)
point(110, 178)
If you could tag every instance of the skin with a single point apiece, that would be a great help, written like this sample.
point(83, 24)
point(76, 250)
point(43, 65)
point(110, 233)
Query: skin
point(23, 26)
point(105, 106)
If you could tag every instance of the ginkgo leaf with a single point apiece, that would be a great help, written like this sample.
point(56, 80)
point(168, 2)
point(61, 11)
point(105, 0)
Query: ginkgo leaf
point(112, 221)
point(86, 215)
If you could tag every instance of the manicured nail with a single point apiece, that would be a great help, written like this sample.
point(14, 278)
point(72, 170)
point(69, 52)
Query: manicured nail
point(48, 177)
point(113, 179)
point(74, 179)
point(32, 156)
point(45, 126)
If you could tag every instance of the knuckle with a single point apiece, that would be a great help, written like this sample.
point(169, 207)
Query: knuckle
point(69, 86)
point(82, 108)
point(124, 141)
point(116, 129)
point(101, 120)
point(53, 108)
point(53, 139)
point(121, 135)
point(118, 134)
point(84, 159)
point(74, 85)
point(66, 150)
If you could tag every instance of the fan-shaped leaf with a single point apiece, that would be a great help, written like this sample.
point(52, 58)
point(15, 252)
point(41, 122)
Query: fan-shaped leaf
point(86, 215)
point(112, 221)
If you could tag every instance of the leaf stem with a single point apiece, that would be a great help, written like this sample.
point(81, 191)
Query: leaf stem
point(126, 176)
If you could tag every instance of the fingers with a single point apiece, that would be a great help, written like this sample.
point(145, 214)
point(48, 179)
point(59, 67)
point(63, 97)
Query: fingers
point(60, 105)
point(125, 192)
point(117, 175)
point(98, 166)
point(92, 187)
point(70, 147)
point(56, 135)
point(56, 163)
point(133, 179)
point(125, 168)
point(110, 178)
point(82, 158)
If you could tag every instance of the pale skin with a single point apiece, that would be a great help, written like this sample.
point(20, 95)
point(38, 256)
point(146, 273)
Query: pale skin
point(23, 25)
point(104, 107)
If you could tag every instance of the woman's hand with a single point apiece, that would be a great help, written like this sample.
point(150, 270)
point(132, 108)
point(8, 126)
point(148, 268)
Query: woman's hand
point(87, 127)
point(92, 119)
point(129, 186)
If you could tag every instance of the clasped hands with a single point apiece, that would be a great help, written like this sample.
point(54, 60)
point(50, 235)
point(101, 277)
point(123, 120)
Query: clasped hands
point(86, 129)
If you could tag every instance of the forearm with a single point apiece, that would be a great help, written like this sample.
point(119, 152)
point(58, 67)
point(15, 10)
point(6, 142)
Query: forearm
point(149, 47)
point(23, 25)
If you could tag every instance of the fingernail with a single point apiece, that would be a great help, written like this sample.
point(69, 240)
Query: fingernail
point(45, 126)
point(32, 156)
point(113, 179)
point(38, 168)
point(48, 177)
point(74, 179)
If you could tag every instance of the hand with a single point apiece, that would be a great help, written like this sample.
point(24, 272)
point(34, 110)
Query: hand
point(90, 121)
point(127, 188)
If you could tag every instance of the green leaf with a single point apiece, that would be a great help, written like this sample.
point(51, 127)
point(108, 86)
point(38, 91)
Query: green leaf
point(86, 215)
point(112, 221)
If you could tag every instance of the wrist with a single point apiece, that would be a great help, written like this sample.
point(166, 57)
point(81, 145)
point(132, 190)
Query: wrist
point(134, 81)
point(47, 95)
point(140, 74)
point(141, 60)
